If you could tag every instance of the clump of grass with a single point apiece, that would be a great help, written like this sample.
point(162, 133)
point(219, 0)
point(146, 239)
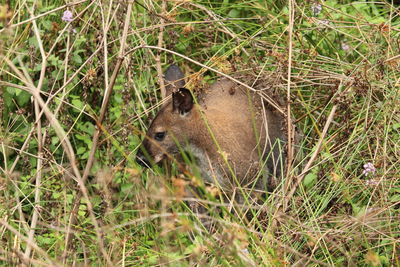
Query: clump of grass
point(63, 202)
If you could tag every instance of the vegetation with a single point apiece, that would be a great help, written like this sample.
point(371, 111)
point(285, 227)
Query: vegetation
point(80, 82)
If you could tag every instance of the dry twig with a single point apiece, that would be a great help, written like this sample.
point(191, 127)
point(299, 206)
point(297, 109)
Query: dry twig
point(158, 56)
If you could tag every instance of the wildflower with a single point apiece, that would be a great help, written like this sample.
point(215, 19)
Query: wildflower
point(323, 23)
point(316, 9)
point(371, 182)
point(368, 168)
point(67, 16)
point(345, 46)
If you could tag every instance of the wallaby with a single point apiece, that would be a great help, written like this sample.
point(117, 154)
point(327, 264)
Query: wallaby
point(235, 138)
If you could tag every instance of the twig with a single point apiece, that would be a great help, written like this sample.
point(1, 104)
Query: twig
point(104, 23)
point(290, 133)
point(312, 159)
point(38, 181)
point(158, 56)
point(393, 58)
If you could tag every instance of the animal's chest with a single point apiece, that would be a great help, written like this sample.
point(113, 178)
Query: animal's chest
point(209, 167)
point(220, 170)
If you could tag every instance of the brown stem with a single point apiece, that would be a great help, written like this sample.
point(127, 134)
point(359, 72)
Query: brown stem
point(290, 133)
point(158, 56)
point(312, 159)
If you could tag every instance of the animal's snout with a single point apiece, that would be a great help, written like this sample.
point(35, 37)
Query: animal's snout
point(142, 160)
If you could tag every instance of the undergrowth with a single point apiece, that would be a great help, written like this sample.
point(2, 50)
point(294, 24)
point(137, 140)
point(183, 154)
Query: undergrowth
point(60, 204)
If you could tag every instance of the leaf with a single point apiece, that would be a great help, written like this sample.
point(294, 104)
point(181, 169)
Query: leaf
point(396, 126)
point(126, 187)
point(47, 25)
point(77, 59)
point(118, 98)
point(81, 213)
point(86, 155)
point(55, 140)
point(116, 112)
point(87, 127)
point(181, 46)
point(23, 98)
point(46, 240)
point(77, 104)
point(359, 211)
point(70, 198)
point(81, 150)
point(310, 179)
point(234, 13)
point(189, 249)
point(395, 198)
point(54, 61)
point(11, 90)
point(33, 42)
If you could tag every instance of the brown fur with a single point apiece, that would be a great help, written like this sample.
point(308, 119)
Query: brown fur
point(223, 125)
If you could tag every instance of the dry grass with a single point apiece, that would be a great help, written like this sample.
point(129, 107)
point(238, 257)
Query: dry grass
point(76, 96)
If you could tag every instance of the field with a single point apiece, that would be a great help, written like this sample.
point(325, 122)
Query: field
point(81, 81)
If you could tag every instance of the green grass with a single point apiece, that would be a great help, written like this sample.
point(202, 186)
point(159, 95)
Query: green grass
point(346, 57)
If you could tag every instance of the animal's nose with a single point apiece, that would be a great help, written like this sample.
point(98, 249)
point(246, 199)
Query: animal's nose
point(141, 160)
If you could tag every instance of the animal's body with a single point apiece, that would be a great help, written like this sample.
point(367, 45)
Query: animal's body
point(235, 138)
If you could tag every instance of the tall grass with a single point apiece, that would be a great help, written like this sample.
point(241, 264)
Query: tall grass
point(76, 96)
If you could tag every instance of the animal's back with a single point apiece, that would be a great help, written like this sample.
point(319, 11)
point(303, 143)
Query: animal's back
point(236, 118)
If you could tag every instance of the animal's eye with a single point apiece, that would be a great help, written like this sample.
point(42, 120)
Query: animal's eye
point(160, 136)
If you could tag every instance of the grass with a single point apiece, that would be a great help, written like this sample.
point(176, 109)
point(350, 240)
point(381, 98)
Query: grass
point(344, 64)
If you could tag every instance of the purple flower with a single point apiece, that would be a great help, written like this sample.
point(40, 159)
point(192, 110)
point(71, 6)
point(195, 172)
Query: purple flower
point(368, 168)
point(371, 182)
point(316, 9)
point(323, 23)
point(345, 46)
point(67, 16)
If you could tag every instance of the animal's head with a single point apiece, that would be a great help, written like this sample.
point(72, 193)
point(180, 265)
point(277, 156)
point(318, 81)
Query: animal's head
point(172, 125)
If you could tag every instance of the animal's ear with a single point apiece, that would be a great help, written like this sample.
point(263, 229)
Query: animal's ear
point(182, 101)
point(174, 79)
